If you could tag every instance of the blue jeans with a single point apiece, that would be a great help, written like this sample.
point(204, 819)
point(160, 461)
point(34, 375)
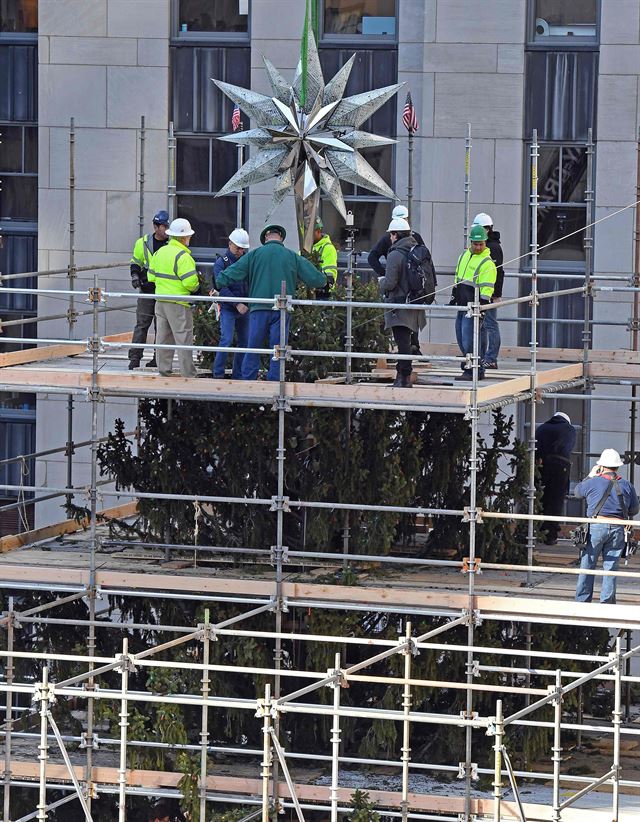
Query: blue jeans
point(608, 540)
point(264, 327)
point(231, 322)
point(492, 332)
point(464, 338)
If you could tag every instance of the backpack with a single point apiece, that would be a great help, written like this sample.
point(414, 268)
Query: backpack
point(421, 275)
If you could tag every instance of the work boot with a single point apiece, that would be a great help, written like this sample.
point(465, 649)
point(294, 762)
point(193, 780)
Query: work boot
point(133, 364)
point(152, 363)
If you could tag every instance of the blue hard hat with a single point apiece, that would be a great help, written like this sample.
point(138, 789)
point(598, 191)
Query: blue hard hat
point(161, 218)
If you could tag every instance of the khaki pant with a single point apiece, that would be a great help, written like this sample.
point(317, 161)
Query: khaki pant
point(175, 327)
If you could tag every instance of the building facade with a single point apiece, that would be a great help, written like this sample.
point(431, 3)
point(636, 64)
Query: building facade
point(566, 68)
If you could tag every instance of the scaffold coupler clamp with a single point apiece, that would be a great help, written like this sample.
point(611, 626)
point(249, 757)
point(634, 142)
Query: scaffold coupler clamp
point(263, 708)
point(280, 502)
point(468, 715)
point(491, 726)
point(338, 679)
point(207, 632)
point(275, 551)
point(408, 646)
point(633, 324)
point(84, 741)
point(471, 568)
point(95, 346)
point(468, 515)
point(49, 693)
point(462, 770)
point(473, 668)
point(126, 663)
point(281, 301)
point(96, 295)
point(278, 604)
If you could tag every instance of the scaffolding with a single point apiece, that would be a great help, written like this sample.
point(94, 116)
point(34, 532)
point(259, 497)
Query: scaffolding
point(276, 786)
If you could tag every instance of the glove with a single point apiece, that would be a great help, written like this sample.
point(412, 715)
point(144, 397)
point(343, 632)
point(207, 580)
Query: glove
point(136, 282)
point(595, 471)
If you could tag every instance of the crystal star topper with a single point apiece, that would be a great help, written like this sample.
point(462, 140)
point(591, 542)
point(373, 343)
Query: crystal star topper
point(307, 137)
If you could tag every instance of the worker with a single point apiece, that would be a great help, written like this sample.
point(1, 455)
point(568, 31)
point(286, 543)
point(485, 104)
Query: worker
point(143, 250)
point(234, 317)
point(381, 249)
point(555, 441)
point(327, 254)
point(174, 273)
point(161, 812)
point(395, 287)
point(491, 328)
point(266, 268)
point(475, 271)
point(607, 495)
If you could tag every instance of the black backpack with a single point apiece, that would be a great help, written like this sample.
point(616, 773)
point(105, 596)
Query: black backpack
point(421, 275)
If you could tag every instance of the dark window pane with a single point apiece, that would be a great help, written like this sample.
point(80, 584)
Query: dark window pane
point(19, 15)
point(213, 15)
point(574, 174)
point(373, 18)
point(198, 105)
point(18, 83)
point(193, 165)
point(19, 198)
point(553, 334)
point(371, 218)
point(10, 148)
point(18, 253)
point(212, 219)
point(549, 173)
point(371, 69)
point(225, 162)
point(31, 150)
point(561, 94)
point(554, 224)
point(565, 18)
point(16, 438)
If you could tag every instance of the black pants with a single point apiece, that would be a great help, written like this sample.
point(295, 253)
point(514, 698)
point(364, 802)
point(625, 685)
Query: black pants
point(402, 336)
point(555, 484)
point(145, 314)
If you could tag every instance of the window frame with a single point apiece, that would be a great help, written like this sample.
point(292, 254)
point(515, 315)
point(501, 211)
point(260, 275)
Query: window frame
point(556, 43)
point(27, 37)
point(368, 39)
point(192, 38)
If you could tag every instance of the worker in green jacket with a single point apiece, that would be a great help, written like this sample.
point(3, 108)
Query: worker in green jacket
point(475, 272)
point(266, 268)
point(174, 273)
point(326, 251)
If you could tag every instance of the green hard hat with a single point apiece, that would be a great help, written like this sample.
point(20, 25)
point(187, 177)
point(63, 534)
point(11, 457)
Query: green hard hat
point(272, 227)
point(478, 234)
point(319, 224)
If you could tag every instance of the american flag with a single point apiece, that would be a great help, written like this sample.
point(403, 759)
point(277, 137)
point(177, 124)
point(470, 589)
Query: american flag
point(235, 117)
point(409, 118)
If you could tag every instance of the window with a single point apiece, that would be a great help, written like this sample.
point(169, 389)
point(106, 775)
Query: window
point(561, 94)
point(19, 83)
point(19, 173)
point(359, 18)
point(557, 21)
point(18, 16)
point(372, 68)
point(18, 252)
point(197, 17)
point(562, 177)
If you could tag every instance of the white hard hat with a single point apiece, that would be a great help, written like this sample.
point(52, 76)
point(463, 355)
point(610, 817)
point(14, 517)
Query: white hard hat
point(563, 415)
point(400, 212)
point(482, 219)
point(610, 458)
point(398, 224)
point(240, 238)
point(180, 228)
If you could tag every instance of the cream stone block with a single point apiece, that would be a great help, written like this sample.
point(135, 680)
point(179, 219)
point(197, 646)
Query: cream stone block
point(153, 52)
point(72, 91)
point(138, 18)
point(132, 92)
point(497, 21)
point(458, 103)
point(96, 51)
point(73, 18)
point(106, 159)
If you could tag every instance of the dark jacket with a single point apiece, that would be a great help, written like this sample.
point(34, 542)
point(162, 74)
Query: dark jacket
point(233, 289)
point(495, 249)
point(381, 249)
point(266, 267)
point(555, 438)
point(395, 288)
point(593, 488)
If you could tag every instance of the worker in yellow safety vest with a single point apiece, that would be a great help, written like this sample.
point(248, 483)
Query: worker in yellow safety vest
point(173, 271)
point(327, 253)
point(475, 277)
point(144, 249)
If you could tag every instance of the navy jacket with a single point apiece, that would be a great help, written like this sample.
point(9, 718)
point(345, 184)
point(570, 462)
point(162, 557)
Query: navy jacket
point(555, 438)
point(495, 249)
point(593, 488)
point(234, 289)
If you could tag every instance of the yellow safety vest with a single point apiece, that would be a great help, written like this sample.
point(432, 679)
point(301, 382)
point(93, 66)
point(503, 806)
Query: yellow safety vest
point(477, 271)
point(173, 270)
point(328, 259)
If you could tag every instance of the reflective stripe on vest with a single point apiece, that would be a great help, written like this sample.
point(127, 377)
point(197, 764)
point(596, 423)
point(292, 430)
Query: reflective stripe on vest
point(474, 281)
point(175, 275)
point(147, 245)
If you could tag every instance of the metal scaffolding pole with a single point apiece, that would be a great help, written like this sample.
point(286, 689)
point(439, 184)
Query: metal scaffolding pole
point(556, 697)
point(264, 710)
point(8, 713)
point(335, 739)
point(71, 275)
point(204, 729)
point(617, 723)
point(467, 186)
point(635, 321)
point(171, 173)
point(124, 724)
point(586, 330)
point(531, 491)
point(43, 748)
point(142, 180)
point(406, 725)
point(497, 771)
